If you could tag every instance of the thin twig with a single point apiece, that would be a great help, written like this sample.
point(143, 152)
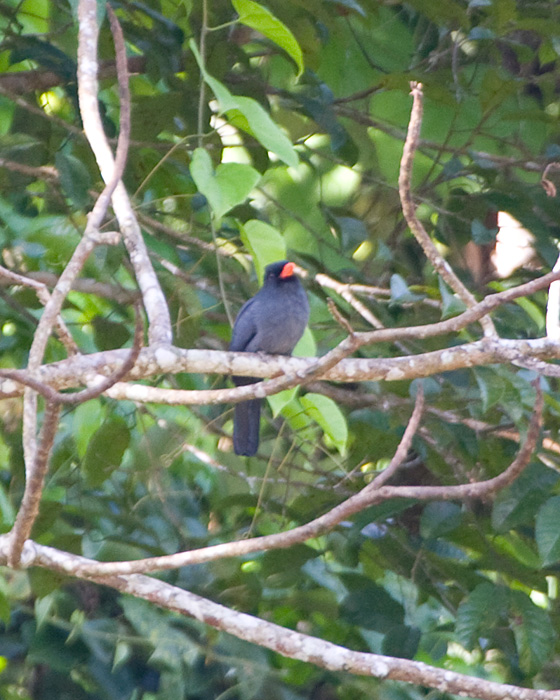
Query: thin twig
point(405, 443)
point(44, 296)
point(441, 265)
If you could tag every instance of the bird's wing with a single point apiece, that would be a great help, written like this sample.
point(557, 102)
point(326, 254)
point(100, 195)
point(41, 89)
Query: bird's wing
point(244, 329)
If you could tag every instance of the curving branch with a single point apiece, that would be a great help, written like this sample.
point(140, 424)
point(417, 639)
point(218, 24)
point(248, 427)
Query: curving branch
point(287, 642)
point(440, 265)
point(284, 641)
point(81, 370)
point(154, 300)
point(375, 492)
point(29, 509)
point(44, 297)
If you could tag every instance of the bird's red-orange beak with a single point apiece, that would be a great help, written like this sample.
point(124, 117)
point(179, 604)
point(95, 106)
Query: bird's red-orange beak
point(287, 270)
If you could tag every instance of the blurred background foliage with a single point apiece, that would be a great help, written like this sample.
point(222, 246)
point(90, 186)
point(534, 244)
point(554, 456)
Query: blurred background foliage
point(469, 586)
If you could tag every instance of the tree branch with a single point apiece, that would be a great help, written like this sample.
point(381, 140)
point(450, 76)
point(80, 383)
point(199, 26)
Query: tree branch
point(441, 265)
point(29, 508)
point(283, 641)
point(154, 300)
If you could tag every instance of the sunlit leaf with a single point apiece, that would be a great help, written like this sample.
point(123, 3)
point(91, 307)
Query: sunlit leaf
point(328, 415)
point(261, 125)
point(254, 15)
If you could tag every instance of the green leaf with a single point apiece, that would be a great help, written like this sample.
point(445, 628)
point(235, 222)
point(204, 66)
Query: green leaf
point(74, 178)
point(227, 186)
point(368, 605)
point(491, 386)
point(109, 334)
point(482, 235)
point(43, 606)
point(278, 401)
point(265, 243)
point(258, 121)
point(400, 293)
point(4, 610)
point(547, 531)
point(105, 450)
point(518, 504)
point(401, 641)
point(439, 518)
point(533, 631)
point(479, 612)
point(534, 312)
point(328, 415)
point(451, 305)
point(258, 17)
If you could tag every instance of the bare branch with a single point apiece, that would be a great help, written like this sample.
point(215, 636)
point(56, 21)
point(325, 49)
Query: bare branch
point(154, 300)
point(405, 443)
point(81, 370)
point(29, 508)
point(92, 392)
point(441, 265)
point(286, 642)
point(371, 494)
point(86, 285)
point(345, 291)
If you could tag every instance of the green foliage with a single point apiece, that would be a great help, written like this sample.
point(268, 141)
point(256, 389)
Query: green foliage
point(290, 149)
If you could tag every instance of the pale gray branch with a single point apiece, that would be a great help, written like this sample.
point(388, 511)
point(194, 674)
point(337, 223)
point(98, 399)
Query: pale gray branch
point(154, 300)
point(281, 640)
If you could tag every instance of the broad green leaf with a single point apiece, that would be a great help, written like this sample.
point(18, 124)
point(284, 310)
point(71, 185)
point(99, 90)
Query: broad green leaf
point(491, 387)
point(400, 293)
point(43, 606)
point(451, 305)
point(123, 652)
point(547, 531)
point(534, 312)
point(533, 631)
point(258, 17)
point(105, 450)
point(439, 518)
point(480, 611)
point(265, 244)
point(518, 504)
point(328, 415)
point(87, 418)
point(306, 346)
point(74, 178)
point(401, 641)
point(278, 401)
point(369, 605)
point(227, 186)
point(261, 126)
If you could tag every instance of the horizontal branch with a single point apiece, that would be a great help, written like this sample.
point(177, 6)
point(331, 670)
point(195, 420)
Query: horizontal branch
point(284, 641)
point(85, 370)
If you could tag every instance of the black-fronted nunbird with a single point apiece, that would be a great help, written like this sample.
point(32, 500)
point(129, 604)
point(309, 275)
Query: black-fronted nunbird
point(272, 321)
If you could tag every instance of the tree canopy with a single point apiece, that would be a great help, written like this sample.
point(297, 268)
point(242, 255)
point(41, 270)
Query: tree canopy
point(397, 533)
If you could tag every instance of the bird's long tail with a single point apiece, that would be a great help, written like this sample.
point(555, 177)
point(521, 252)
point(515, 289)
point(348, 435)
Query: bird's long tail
point(246, 422)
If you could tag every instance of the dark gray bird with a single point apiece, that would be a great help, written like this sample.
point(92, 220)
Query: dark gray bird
point(272, 321)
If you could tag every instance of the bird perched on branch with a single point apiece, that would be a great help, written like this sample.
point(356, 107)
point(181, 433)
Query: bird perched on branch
point(272, 321)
